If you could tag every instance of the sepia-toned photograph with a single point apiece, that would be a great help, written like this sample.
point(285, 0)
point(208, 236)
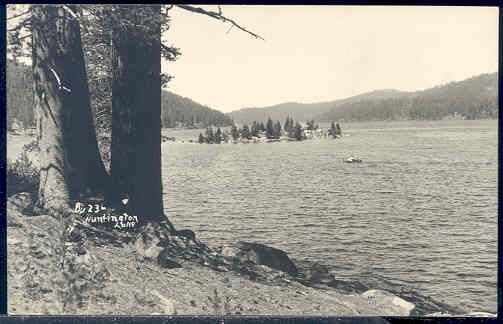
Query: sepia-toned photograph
point(264, 160)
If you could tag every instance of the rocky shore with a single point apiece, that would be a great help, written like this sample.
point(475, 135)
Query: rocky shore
point(74, 268)
point(94, 271)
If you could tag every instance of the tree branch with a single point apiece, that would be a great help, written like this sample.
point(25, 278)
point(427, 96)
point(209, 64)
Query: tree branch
point(20, 25)
point(218, 16)
point(169, 52)
point(76, 17)
point(70, 11)
point(25, 36)
point(18, 15)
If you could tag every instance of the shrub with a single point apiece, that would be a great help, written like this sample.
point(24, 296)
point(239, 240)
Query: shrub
point(22, 175)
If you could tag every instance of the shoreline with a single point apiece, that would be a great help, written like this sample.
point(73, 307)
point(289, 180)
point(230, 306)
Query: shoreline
point(147, 286)
point(28, 139)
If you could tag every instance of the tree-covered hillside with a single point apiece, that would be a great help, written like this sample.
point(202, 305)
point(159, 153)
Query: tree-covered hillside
point(302, 111)
point(175, 110)
point(182, 111)
point(474, 98)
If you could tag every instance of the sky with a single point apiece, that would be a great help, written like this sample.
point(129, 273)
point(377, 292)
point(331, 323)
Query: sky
point(322, 53)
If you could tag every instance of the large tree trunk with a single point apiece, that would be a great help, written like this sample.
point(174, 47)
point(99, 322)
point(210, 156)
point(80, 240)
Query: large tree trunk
point(136, 111)
point(70, 163)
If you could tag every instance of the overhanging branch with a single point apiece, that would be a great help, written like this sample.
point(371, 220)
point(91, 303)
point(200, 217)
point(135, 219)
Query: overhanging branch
point(18, 15)
point(70, 11)
point(22, 24)
point(218, 16)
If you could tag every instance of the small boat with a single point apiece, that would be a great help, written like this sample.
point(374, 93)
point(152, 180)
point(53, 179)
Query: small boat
point(352, 159)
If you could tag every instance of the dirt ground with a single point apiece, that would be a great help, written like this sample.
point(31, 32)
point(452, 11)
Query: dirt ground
point(113, 280)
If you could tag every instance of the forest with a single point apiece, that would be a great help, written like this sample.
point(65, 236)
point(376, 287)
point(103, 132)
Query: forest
point(176, 111)
point(474, 98)
point(182, 111)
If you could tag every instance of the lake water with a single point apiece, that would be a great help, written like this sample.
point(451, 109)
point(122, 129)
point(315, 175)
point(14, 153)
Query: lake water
point(419, 212)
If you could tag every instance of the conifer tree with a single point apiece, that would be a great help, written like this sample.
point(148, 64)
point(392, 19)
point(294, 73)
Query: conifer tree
point(245, 132)
point(234, 132)
point(269, 129)
point(277, 130)
point(218, 136)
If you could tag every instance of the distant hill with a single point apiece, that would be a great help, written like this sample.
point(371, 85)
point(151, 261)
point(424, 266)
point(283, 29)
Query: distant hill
point(474, 98)
point(302, 111)
point(182, 111)
point(175, 110)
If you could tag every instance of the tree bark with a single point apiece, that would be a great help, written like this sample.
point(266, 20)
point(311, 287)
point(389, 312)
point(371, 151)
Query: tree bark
point(136, 111)
point(70, 163)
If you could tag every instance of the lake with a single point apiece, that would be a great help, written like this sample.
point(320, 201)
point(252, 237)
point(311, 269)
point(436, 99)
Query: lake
point(419, 212)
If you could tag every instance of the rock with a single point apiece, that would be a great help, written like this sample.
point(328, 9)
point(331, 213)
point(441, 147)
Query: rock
point(147, 244)
point(472, 314)
point(178, 241)
point(427, 305)
point(229, 251)
point(316, 273)
point(347, 286)
point(389, 302)
point(187, 234)
point(480, 314)
point(167, 305)
point(438, 314)
point(165, 261)
point(265, 255)
point(221, 268)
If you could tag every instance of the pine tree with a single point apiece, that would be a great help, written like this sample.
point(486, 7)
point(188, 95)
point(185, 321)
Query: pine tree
point(298, 134)
point(210, 136)
point(269, 129)
point(234, 132)
point(332, 131)
point(286, 126)
point(245, 132)
point(338, 129)
point(262, 126)
point(136, 109)
point(310, 125)
point(70, 163)
point(254, 129)
point(218, 136)
point(290, 130)
point(277, 130)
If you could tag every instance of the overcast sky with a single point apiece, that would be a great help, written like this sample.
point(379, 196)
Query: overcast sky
point(320, 53)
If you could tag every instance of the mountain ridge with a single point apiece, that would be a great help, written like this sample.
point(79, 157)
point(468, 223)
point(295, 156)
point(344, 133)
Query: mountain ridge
point(298, 110)
point(385, 100)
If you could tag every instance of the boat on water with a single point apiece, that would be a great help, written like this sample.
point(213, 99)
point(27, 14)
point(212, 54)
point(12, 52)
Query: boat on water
point(352, 159)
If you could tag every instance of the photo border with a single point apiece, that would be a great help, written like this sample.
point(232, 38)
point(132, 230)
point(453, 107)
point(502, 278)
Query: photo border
point(5, 318)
